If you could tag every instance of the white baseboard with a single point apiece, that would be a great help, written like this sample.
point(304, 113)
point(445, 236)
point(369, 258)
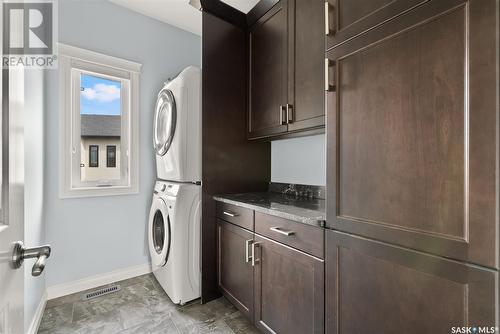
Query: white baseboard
point(37, 317)
point(91, 282)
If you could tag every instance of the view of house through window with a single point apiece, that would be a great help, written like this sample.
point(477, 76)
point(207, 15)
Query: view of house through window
point(100, 112)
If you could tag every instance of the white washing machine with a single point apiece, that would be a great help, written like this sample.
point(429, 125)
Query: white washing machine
point(177, 128)
point(174, 239)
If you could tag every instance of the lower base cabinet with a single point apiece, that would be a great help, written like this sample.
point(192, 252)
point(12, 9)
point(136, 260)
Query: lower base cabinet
point(289, 289)
point(235, 271)
point(377, 288)
point(277, 287)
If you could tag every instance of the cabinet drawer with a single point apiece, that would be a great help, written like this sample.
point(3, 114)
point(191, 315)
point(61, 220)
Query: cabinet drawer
point(306, 238)
point(235, 214)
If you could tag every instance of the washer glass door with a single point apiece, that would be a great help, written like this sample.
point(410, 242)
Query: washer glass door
point(164, 121)
point(159, 233)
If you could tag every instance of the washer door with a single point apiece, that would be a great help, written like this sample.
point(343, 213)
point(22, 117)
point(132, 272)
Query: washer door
point(164, 121)
point(159, 233)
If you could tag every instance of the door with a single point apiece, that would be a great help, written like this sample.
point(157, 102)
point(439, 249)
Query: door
point(268, 86)
point(377, 288)
point(348, 18)
point(413, 132)
point(306, 59)
point(289, 289)
point(165, 120)
point(12, 200)
point(235, 271)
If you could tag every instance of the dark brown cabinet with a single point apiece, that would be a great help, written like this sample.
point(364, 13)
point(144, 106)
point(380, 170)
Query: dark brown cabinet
point(280, 288)
point(286, 55)
point(289, 289)
point(235, 271)
point(382, 289)
point(268, 75)
point(348, 18)
point(413, 131)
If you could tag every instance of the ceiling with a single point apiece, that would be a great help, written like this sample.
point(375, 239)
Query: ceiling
point(178, 12)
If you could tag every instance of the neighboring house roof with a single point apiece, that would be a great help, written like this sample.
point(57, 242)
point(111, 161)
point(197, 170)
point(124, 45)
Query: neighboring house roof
point(101, 126)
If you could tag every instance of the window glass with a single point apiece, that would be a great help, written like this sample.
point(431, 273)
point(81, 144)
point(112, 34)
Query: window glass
point(101, 123)
point(93, 156)
point(111, 156)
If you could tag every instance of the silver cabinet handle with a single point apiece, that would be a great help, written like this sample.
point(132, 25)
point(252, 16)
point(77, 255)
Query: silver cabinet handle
point(328, 10)
point(254, 260)
point(21, 253)
point(247, 245)
point(283, 115)
point(278, 229)
point(328, 86)
point(230, 214)
point(289, 113)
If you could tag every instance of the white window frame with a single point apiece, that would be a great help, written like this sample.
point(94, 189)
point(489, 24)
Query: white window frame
point(73, 62)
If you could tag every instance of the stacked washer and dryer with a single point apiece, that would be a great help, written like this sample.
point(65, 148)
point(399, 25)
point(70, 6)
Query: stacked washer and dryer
point(175, 216)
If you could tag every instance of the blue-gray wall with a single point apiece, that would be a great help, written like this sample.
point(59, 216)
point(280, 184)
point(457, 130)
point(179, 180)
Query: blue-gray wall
point(91, 236)
point(299, 160)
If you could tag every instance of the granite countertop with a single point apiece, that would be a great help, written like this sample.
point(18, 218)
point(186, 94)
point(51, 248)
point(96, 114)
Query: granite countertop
point(302, 210)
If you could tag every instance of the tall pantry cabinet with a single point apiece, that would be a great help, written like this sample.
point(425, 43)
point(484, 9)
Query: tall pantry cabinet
point(412, 146)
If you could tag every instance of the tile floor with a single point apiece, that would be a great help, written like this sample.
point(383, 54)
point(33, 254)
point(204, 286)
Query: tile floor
point(142, 307)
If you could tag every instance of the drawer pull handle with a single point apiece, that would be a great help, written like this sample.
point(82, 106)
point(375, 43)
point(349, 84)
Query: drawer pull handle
point(254, 260)
point(230, 214)
point(247, 246)
point(280, 231)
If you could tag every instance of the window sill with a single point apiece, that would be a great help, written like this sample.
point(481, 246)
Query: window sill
point(98, 192)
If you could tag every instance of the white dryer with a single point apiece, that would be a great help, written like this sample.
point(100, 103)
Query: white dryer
point(174, 239)
point(177, 128)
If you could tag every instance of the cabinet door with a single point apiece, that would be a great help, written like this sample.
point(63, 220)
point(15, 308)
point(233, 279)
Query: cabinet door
point(289, 289)
point(268, 39)
point(306, 57)
point(348, 18)
point(373, 287)
point(235, 272)
point(412, 139)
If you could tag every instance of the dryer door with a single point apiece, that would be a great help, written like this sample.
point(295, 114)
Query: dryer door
point(164, 121)
point(159, 233)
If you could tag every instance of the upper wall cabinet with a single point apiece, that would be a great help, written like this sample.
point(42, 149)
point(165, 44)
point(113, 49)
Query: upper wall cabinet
point(286, 75)
point(413, 132)
point(348, 18)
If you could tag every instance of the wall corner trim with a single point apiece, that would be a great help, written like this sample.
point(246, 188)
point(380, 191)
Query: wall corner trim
point(95, 281)
point(37, 317)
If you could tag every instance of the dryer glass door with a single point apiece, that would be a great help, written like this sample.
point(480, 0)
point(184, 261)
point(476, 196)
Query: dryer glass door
point(164, 121)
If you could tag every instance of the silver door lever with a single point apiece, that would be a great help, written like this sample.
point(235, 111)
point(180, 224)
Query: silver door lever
point(40, 253)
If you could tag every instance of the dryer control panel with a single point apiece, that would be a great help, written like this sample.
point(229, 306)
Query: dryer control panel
point(166, 188)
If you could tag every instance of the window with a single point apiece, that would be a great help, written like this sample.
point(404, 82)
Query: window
point(111, 156)
point(93, 155)
point(99, 108)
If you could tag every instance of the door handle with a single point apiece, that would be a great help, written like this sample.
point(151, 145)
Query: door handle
point(289, 113)
point(329, 12)
point(21, 253)
point(254, 260)
point(329, 87)
point(247, 245)
point(283, 115)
